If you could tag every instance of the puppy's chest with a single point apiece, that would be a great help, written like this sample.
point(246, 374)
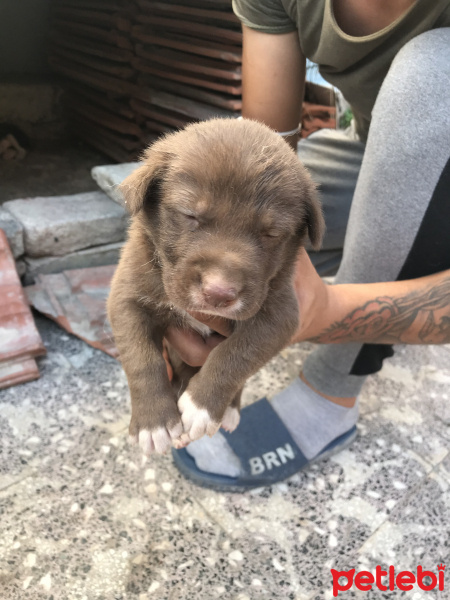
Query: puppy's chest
point(176, 316)
point(183, 319)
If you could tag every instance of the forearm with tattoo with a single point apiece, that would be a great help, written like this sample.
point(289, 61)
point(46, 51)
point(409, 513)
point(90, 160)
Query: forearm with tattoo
point(421, 316)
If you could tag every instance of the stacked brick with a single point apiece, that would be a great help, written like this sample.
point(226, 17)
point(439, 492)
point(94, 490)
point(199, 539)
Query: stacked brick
point(137, 69)
point(20, 341)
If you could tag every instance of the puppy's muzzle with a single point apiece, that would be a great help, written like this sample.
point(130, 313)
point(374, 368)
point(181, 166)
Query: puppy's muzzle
point(218, 294)
point(218, 280)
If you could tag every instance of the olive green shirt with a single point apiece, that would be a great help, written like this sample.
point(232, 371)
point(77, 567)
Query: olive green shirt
point(355, 65)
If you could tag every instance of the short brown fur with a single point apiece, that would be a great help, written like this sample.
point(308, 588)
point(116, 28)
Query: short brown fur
point(227, 201)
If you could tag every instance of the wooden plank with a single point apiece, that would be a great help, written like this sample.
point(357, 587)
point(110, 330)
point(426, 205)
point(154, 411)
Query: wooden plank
point(103, 117)
point(187, 62)
point(94, 48)
point(101, 99)
point(93, 78)
point(154, 113)
point(114, 38)
point(200, 30)
point(187, 91)
point(158, 127)
point(105, 5)
point(150, 137)
point(92, 17)
point(224, 5)
point(200, 14)
point(99, 64)
point(224, 52)
point(183, 105)
point(130, 144)
point(103, 142)
point(164, 73)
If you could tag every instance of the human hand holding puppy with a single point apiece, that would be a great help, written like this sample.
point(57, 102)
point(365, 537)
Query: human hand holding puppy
point(220, 211)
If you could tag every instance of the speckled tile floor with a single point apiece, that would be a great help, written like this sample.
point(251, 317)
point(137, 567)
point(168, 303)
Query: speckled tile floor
point(84, 518)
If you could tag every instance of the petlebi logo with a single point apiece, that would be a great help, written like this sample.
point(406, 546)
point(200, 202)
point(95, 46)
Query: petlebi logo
point(388, 580)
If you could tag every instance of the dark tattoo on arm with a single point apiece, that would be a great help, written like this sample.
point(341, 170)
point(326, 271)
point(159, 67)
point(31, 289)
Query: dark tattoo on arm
point(421, 317)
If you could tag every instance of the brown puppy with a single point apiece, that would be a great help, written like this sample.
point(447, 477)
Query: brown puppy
point(220, 210)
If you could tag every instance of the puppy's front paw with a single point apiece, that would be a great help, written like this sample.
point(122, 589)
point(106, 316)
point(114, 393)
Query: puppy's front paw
point(154, 439)
point(196, 421)
point(158, 440)
point(230, 419)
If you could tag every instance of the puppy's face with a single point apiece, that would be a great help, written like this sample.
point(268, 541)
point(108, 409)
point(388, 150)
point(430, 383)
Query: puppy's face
point(227, 205)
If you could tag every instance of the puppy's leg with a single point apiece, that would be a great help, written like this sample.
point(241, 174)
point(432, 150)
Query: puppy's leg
point(231, 363)
point(155, 420)
point(232, 415)
point(182, 374)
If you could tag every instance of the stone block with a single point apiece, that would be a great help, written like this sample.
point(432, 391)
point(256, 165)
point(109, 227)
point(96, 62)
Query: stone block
point(109, 177)
point(58, 225)
point(13, 230)
point(92, 257)
point(21, 267)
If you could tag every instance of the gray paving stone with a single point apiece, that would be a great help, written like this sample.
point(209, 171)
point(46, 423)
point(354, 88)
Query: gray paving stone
point(13, 230)
point(57, 225)
point(109, 177)
point(21, 267)
point(98, 256)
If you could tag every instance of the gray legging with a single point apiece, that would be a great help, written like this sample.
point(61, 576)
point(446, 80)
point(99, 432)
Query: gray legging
point(398, 186)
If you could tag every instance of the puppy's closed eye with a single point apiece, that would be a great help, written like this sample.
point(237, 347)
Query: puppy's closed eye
point(190, 220)
point(271, 233)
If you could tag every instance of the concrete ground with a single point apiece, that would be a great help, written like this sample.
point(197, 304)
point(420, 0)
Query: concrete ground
point(51, 168)
point(84, 517)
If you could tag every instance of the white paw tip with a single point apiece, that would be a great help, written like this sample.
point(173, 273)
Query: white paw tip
point(176, 432)
point(196, 421)
point(185, 439)
point(161, 439)
point(181, 442)
point(212, 428)
point(231, 419)
point(145, 441)
point(185, 402)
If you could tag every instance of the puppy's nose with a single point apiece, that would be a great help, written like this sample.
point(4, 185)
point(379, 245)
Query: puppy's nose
point(219, 296)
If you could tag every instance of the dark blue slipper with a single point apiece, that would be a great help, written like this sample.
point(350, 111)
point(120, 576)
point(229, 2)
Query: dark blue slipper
point(267, 452)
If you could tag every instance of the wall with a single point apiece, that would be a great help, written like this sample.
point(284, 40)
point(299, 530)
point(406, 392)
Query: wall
point(29, 92)
point(23, 30)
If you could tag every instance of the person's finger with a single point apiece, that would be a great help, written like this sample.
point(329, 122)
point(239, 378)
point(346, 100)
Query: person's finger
point(218, 324)
point(192, 348)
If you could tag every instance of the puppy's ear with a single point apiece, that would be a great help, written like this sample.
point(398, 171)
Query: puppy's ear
point(314, 220)
point(142, 186)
